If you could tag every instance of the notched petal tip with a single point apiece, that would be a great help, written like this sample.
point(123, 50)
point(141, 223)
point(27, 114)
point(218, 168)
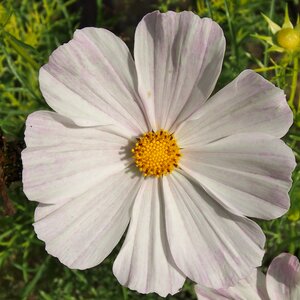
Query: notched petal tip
point(205, 251)
point(229, 168)
point(92, 80)
point(281, 98)
point(178, 58)
point(71, 265)
point(249, 103)
point(82, 231)
point(144, 263)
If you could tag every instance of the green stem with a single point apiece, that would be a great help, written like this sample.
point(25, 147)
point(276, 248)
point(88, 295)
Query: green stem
point(99, 20)
point(294, 83)
point(266, 69)
point(232, 33)
point(292, 236)
point(294, 184)
point(125, 293)
point(64, 10)
point(210, 14)
point(266, 53)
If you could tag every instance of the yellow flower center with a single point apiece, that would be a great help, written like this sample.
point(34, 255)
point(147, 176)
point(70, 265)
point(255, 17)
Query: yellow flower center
point(156, 153)
point(288, 38)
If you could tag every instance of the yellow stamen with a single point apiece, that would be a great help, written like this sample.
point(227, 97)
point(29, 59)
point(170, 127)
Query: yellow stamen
point(156, 153)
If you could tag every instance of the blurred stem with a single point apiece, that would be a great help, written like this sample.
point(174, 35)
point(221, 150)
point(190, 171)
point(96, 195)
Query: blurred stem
point(125, 293)
point(232, 33)
point(65, 12)
point(99, 20)
point(266, 55)
point(294, 184)
point(277, 77)
point(207, 2)
point(293, 235)
point(266, 69)
point(30, 287)
point(295, 138)
point(294, 83)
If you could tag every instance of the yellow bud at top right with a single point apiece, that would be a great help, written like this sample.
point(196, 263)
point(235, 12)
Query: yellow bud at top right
point(288, 38)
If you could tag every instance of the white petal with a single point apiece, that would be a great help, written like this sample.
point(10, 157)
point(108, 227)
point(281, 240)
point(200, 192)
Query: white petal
point(209, 245)
point(251, 288)
point(63, 160)
point(205, 293)
point(92, 80)
point(248, 104)
point(178, 59)
point(249, 174)
point(283, 278)
point(144, 262)
point(81, 231)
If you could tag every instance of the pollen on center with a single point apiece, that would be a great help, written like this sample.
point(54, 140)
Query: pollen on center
point(156, 153)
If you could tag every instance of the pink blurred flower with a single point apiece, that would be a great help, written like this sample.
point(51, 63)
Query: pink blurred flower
point(281, 283)
point(189, 223)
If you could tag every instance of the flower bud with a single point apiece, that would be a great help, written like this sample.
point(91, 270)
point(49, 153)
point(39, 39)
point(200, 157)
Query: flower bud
point(288, 38)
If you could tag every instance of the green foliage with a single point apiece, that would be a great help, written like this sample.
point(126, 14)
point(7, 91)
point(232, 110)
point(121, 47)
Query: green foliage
point(29, 31)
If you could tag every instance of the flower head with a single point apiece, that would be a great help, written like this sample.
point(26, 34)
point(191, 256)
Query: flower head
point(156, 153)
point(282, 282)
point(138, 143)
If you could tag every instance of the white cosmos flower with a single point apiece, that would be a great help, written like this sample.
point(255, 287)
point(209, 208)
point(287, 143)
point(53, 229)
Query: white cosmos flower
point(281, 283)
point(217, 161)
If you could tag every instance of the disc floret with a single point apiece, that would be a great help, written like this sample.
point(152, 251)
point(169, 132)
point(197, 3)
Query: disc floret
point(156, 153)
